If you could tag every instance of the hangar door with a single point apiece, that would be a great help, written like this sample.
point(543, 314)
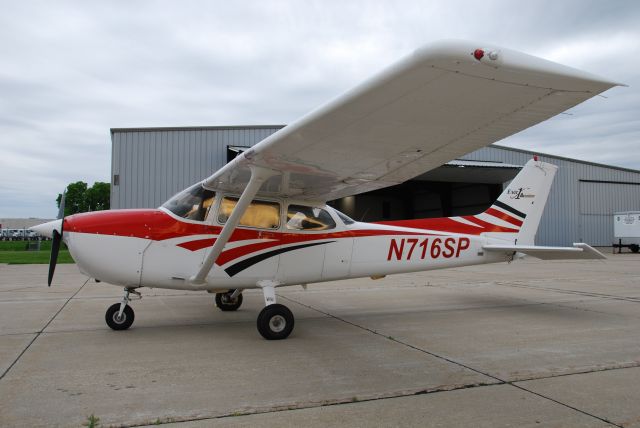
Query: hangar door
point(598, 201)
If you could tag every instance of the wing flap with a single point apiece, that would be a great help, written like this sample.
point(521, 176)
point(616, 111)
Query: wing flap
point(578, 251)
point(434, 106)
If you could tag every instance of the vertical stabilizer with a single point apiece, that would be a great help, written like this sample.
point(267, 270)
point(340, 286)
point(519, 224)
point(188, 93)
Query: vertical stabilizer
point(521, 204)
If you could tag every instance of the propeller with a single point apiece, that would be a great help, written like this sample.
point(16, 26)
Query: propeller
point(56, 240)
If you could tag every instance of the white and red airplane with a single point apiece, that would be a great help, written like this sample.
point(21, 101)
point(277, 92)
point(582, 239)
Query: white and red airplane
point(262, 221)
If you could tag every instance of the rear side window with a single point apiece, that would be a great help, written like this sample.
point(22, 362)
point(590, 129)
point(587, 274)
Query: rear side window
point(300, 217)
point(260, 214)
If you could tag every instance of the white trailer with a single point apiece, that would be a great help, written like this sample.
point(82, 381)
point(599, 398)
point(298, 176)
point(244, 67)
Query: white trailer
point(626, 227)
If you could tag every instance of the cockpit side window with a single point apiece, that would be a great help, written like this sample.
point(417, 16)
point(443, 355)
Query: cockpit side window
point(260, 214)
point(345, 218)
point(193, 203)
point(300, 217)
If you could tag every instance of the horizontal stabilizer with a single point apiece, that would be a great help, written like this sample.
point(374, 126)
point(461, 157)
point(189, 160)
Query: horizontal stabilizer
point(578, 251)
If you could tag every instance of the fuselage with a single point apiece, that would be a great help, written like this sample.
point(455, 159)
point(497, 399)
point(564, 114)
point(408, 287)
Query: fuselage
point(158, 248)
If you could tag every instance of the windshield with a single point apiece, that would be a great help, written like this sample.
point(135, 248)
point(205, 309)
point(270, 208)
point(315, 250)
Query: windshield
point(192, 203)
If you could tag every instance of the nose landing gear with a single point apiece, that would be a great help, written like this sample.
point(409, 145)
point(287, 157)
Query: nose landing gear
point(120, 316)
point(229, 301)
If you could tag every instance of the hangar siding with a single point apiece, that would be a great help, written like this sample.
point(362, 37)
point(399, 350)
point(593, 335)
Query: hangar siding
point(583, 198)
point(152, 164)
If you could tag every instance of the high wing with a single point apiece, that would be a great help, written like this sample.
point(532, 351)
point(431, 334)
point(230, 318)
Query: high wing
point(437, 104)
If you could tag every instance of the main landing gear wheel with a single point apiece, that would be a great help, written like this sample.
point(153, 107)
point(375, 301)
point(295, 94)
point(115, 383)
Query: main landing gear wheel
point(275, 322)
point(121, 322)
point(226, 301)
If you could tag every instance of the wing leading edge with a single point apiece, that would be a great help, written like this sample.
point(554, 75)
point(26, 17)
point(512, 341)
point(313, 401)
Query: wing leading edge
point(433, 106)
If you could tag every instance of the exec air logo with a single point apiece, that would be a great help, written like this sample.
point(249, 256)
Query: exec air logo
point(520, 193)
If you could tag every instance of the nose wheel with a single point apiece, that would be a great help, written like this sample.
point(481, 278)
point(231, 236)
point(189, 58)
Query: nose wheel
point(120, 316)
point(229, 301)
point(118, 321)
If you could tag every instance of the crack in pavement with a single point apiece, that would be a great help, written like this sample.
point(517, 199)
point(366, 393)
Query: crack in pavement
point(395, 394)
point(574, 292)
point(451, 361)
point(314, 405)
point(495, 381)
point(252, 322)
point(38, 333)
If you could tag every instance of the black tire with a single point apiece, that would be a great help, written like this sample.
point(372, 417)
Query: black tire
point(275, 322)
point(111, 317)
point(634, 248)
point(224, 302)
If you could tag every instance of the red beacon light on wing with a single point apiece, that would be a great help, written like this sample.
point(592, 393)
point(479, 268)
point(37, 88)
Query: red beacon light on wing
point(493, 55)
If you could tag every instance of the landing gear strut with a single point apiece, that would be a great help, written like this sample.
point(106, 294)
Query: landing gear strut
point(120, 316)
point(275, 321)
point(229, 301)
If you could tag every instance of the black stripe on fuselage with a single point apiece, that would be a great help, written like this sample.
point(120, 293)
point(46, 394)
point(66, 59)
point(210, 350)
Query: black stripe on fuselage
point(247, 263)
point(510, 209)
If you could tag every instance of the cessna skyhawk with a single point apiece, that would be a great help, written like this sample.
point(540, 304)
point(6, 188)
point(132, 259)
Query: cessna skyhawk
point(262, 220)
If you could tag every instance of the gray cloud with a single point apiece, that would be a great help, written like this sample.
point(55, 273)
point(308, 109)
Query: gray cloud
point(71, 70)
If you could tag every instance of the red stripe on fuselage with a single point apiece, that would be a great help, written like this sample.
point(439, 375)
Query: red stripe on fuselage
point(444, 224)
point(148, 224)
point(447, 224)
point(504, 216)
point(489, 227)
point(198, 244)
point(285, 239)
point(158, 226)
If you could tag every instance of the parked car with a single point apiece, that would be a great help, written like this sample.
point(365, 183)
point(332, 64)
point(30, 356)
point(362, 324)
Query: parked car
point(19, 235)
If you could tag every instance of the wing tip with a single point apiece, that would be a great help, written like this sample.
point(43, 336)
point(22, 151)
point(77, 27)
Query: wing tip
point(588, 249)
point(461, 53)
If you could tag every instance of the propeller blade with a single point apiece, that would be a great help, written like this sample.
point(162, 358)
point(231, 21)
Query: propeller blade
point(61, 210)
point(57, 239)
point(53, 259)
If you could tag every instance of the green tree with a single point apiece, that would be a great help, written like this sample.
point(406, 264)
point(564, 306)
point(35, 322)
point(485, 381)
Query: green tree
point(98, 196)
point(81, 198)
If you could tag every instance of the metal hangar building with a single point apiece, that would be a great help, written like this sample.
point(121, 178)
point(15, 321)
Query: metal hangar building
point(149, 165)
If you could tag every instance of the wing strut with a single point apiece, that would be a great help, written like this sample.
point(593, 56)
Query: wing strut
point(258, 176)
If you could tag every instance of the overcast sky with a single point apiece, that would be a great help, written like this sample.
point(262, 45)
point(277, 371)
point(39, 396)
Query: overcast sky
point(69, 71)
